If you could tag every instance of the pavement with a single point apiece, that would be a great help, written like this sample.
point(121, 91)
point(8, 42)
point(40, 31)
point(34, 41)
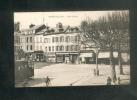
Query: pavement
point(74, 75)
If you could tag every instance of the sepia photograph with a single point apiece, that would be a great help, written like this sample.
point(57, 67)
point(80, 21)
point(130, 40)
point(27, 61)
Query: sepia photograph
point(72, 48)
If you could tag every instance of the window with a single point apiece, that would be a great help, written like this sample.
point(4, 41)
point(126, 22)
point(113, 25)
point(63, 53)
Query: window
point(30, 47)
point(46, 49)
point(61, 48)
point(52, 48)
point(76, 48)
point(57, 48)
point(62, 39)
point(67, 48)
point(27, 47)
point(27, 39)
point(31, 39)
point(67, 38)
point(76, 39)
point(71, 48)
point(72, 39)
point(53, 39)
point(46, 40)
point(57, 39)
point(49, 48)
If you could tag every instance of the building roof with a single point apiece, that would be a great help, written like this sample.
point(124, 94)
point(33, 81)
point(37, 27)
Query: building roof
point(36, 27)
point(33, 28)
point(66, 30)
point(43, 31)
point(54, 30)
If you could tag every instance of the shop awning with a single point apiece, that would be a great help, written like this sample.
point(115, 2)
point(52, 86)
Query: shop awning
point(66, 53)
point(86, 55)
point(107, 55)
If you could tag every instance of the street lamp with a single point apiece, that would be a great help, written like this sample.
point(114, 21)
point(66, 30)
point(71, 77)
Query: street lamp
point(79, 48)
point(97, 69)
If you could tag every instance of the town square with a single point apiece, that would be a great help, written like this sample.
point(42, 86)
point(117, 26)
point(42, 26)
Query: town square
point(76, 48)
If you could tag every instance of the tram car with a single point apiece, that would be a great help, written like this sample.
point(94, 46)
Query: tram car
point(24, 68)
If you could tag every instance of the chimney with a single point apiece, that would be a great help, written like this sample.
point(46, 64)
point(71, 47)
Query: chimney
point(59, 25)
point(31, 25)
point(17, 27)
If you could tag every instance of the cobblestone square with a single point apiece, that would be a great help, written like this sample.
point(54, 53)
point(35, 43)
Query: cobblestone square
point(74, 75)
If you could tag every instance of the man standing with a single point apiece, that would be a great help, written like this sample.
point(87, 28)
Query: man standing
point(109, 81)
point(47, 81)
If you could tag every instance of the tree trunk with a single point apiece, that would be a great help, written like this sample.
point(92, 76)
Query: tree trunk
point(97, 69)
point(120, 59)
point(113, 72)
point(120, 63)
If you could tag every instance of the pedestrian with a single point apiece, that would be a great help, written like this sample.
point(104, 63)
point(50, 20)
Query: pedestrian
point(47, 81)
point(109, 81)
point(118, 80)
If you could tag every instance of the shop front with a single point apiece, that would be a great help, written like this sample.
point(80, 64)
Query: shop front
point(87, 58)
point(38, 56)
point(68, 58)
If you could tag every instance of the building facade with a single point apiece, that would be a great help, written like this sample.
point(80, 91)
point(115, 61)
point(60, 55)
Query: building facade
point(62, 47)
point(61, 44)
point(58, 45)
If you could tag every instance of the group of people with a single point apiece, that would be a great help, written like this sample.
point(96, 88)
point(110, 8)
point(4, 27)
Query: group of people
point(109, 81)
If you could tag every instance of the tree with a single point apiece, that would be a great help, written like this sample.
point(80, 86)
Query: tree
point(108, 32)
point(91, 37)
point(108, 35)
point(119, 23)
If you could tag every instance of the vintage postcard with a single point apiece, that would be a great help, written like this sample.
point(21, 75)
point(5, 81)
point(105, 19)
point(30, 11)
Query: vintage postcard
point(71, 48)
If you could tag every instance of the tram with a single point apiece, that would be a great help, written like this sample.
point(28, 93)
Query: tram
point(24, 68)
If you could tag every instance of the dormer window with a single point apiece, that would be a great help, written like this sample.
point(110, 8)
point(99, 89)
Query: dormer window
point(33, 31)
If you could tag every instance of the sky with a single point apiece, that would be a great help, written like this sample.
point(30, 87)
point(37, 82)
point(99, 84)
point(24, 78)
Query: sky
point(72, 18)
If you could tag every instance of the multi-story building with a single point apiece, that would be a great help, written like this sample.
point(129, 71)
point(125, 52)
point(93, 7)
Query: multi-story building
point(62, 45)
point(29, 40)
point(16, 41)
point(16, 45)
point(59, 44)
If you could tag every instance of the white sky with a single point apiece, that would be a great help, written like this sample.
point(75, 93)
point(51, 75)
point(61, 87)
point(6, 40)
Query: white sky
point(72, 18)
